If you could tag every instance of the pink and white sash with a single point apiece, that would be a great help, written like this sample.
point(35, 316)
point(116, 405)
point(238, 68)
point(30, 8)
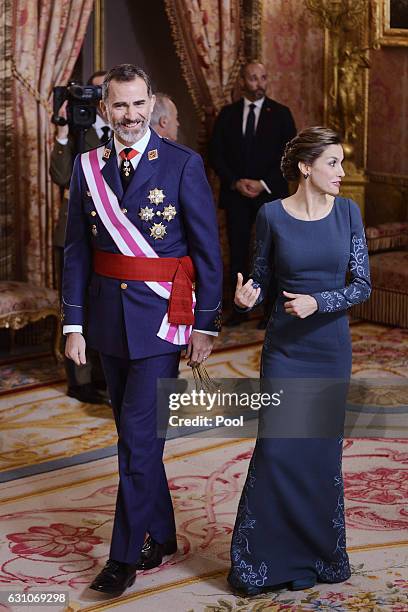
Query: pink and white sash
point(127, 237)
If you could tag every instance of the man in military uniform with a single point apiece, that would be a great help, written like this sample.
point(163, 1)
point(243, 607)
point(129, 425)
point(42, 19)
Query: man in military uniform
point(141, 230)
point(84, 384)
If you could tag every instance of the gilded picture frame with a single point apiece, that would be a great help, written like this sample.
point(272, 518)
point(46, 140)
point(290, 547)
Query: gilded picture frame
point(392, 22)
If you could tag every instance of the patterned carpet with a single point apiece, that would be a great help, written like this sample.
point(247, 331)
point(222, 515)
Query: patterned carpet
point(55, 531)
point(55, 526)
point(47, 430)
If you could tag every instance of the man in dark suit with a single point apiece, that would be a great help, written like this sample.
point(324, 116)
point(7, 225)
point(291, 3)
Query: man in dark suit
point(85, 383)
point(245, 151)
point(141, 230)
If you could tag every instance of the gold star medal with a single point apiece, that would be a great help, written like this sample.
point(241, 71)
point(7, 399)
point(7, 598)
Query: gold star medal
point(158, 231)
point(146, 214)
point(156, 196)
point(169, 212)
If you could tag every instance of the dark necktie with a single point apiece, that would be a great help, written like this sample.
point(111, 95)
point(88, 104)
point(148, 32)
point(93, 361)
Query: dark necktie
point(105, 134)
point(126, 168)
point(250, 127)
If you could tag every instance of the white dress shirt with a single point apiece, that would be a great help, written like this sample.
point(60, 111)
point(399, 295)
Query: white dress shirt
point(257, 111)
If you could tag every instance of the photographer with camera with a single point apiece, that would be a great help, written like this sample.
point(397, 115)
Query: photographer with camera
point(80, 127)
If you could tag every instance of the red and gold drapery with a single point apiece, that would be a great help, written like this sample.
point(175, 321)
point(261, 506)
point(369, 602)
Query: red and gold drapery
point(208, 36)
point(47, 38)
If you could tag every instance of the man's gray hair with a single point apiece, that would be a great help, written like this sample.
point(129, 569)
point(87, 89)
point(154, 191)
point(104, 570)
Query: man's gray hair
point(160, 108)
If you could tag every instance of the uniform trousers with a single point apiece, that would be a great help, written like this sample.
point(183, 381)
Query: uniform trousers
point(143, 501)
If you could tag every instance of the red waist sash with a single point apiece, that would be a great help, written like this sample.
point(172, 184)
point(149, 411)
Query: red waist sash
point(177, 270)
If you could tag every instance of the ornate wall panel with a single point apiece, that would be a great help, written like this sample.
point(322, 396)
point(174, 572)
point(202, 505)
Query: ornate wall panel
point(388, 111)
point(293, 53)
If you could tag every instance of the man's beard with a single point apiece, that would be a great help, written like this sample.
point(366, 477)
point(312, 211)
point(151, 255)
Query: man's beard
point(259, 93)
point(129, 135)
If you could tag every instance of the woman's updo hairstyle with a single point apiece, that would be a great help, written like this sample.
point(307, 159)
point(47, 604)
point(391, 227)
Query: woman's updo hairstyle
point(306, 147)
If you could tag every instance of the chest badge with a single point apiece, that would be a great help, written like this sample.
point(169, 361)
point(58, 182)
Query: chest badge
point(146, 214)
point(169, 212)
point(153, 154)
point(158, 231)
point(156, 196)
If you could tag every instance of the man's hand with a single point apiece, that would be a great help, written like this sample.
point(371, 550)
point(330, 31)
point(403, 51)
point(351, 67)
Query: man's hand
point(63, 130)
point(199, 348)
point(255, 187)
point(75, 348)
point(300, 305)
point(249, 188)
point(242, 186)
point(246, 295)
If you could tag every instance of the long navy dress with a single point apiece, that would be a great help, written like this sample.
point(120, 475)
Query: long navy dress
point(290, 521)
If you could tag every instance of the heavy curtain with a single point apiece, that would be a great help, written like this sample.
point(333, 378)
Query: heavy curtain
point(6, 174)
point(47, 38)
point(208, 36)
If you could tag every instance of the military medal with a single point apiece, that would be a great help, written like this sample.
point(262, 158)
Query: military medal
point(153, 154)
point(146, 214)
point(126, 167)
point(169, 212)
point(158, 231)
point(156, 196)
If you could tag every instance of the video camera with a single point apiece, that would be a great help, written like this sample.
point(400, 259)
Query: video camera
point(81, 107)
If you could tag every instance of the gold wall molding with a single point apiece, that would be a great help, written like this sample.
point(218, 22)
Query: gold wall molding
point(99, 35)
point(347, 41)
point(385, 34)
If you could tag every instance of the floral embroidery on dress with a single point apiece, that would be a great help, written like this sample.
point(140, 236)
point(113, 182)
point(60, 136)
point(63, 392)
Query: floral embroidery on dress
point(261, 270)
point(338, 570)
point(242, 571)
point(359, 289)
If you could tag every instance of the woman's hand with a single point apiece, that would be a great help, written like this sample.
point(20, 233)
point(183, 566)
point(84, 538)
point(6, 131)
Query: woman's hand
point(300, 305)
point(246, 295)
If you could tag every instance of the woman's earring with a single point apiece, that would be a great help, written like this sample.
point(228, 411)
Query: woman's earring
point(305, 175)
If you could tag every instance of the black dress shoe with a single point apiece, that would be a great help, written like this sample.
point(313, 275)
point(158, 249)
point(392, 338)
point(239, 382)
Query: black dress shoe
point(86, 393)
point(152, 553)
point(115, 578)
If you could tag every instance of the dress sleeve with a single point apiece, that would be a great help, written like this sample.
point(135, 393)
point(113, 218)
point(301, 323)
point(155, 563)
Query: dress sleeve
point(359, 288)
point(261, 266)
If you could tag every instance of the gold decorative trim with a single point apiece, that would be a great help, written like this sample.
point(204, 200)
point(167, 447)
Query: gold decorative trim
point(384, 34)
point(99, 35)
point(346, 26)
point(20, 319)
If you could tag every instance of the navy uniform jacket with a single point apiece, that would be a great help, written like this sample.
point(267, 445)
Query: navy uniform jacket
point(124, 322)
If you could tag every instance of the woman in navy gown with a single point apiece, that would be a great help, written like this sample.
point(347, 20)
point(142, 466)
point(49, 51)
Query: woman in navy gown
point(290, 528)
